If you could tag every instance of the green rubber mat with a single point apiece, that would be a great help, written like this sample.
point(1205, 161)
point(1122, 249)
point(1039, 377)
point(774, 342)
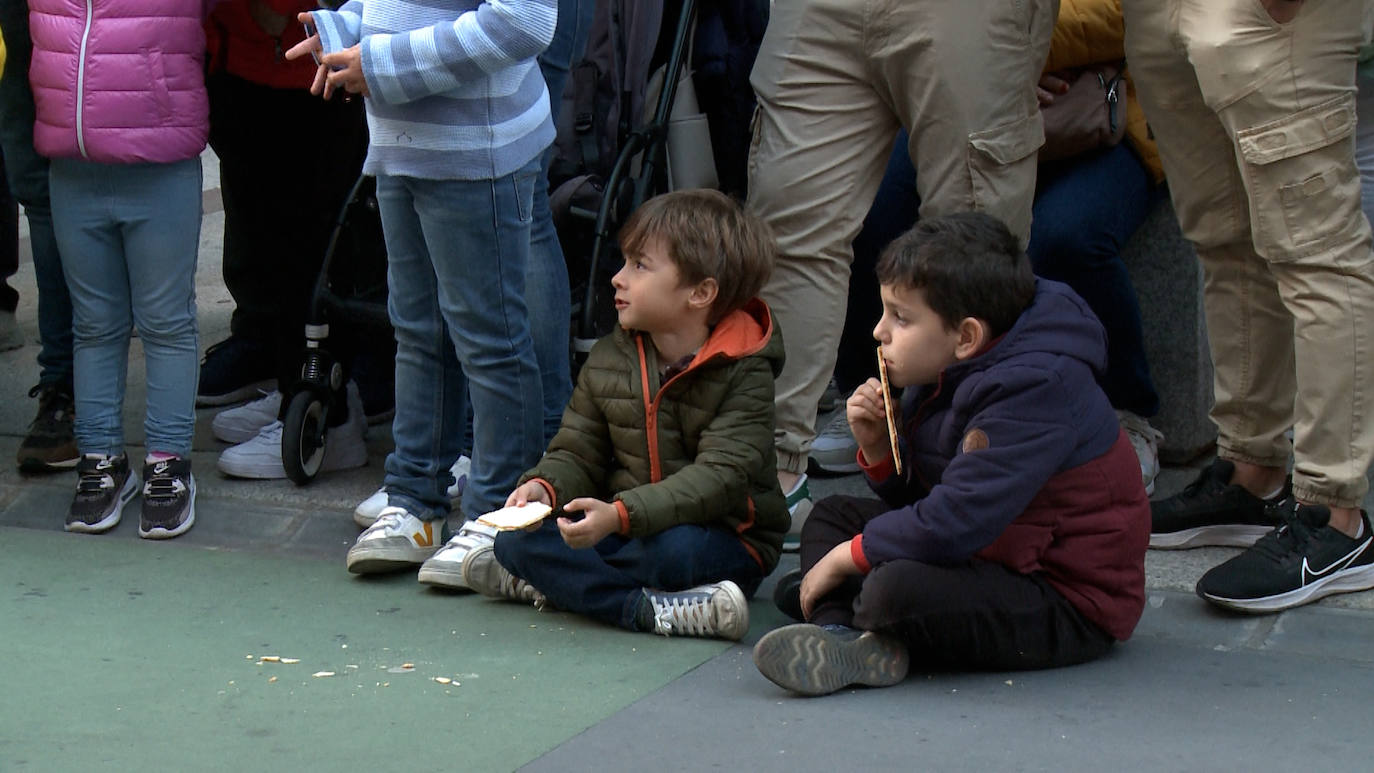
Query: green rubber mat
point(124, 654)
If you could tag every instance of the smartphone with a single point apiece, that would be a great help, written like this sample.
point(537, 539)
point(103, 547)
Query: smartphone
point(310, 33)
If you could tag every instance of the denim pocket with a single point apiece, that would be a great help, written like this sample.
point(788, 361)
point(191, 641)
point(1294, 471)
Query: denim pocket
point(523, 183)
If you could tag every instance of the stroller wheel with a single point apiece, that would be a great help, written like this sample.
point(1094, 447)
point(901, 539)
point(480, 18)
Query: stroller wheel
point(302, 437)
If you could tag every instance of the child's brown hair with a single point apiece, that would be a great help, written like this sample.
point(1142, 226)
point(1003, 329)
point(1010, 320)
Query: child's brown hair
point(707, 235)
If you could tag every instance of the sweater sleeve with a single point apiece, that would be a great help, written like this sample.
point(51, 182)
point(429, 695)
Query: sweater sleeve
point(1029, 433)
point(715, 485)
point(407, 66)
point(339, 29)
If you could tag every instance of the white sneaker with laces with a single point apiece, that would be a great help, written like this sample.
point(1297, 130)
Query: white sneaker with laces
point(1145, 440)
point(445, 567)
point(835, 449)
point(241, 424)
point(260, 457)
point(365, 514)
point(717, 610)
point(398, 540)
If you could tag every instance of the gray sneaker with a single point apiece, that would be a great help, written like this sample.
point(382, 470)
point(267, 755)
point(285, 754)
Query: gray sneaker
point(815, 660)
point(484, 574)
point(717, 610)
point(445, 567)
point(103, 487)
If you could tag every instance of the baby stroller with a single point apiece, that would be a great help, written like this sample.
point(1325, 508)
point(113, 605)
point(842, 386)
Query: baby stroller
point(624, 136)
point(350, 293)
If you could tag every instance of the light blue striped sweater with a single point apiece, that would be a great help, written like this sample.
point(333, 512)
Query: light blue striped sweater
point(456, 91)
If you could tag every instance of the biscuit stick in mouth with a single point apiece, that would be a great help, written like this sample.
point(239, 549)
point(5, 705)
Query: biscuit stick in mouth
point(887, 409)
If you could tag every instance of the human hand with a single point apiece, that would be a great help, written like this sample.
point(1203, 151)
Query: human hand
point(529, 491)
point(825, 576)
point(599, 521)
point(1283, 11)
point(343, 70)
point(311, 45)
point(1050, 86)
point(868, 420)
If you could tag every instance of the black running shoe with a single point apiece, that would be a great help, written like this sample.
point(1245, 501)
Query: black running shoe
point(169, 499)
point(1301, 561)
point(1212, 511)
point(235, 370)
point(818, 660)
point(103, 487)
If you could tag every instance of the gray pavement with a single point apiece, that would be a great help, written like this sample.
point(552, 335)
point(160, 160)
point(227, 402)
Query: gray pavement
point(1194, 689)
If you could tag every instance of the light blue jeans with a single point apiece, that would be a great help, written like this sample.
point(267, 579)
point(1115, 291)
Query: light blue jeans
point(456, 259)
point(128, 236)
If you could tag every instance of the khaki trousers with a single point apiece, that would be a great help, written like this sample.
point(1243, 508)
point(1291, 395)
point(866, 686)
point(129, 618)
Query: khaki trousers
point(1255, 123)
point(835, 80)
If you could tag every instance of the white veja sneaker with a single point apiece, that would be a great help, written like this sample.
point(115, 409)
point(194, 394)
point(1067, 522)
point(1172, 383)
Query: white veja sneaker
point(241, 424)
point(717, 610)
point(445, 568)
point(260, 457)
point(365, 514)
point(398, 540)
point(1145, 440)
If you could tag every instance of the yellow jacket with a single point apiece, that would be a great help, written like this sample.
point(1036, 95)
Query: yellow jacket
point(1090, 32)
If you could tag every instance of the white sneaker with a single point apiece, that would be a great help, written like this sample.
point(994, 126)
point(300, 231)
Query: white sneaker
point(365, 514)
point(260, 457)
point(241, 424)
point(1145, 440)
point(398, 540)
point(445, 567)
point(835, 449)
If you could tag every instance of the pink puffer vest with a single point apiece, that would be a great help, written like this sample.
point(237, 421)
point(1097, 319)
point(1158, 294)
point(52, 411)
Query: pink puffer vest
point(119, 81)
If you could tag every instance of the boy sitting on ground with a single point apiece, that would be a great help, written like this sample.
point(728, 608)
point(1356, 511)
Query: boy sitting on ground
point(1016, 537)
point(662, 474)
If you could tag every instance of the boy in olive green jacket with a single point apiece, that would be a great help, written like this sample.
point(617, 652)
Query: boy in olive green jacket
point(666, 508)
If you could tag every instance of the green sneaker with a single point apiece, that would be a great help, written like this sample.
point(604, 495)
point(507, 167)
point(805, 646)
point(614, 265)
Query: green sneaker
point(798, 506)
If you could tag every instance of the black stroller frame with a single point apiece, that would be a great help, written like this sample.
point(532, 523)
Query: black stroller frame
point(649, 142)
point(319, 389)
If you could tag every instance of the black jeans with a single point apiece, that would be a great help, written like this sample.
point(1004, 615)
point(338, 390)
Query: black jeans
point(970, 615)
point(287, 162)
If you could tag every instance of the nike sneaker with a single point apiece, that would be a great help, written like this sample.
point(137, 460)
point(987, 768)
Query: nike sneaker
point(1303, 560)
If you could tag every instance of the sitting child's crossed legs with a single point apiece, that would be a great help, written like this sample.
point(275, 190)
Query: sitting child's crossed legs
point(975, 614)
point(606, 582)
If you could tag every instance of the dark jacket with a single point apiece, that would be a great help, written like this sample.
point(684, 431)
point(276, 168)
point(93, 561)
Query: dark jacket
point(1015, 456)
point(696, 449)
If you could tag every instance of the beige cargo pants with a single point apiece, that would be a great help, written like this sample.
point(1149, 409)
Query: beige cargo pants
point(835, 80)
point(1255, 122)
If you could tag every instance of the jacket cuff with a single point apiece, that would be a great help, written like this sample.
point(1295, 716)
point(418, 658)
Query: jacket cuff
point(624, 517)
point(856, 552)
point(548, 489)
point(877, 472)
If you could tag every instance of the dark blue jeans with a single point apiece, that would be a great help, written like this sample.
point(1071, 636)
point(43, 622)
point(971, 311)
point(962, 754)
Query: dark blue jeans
point(604, 582)
point(1085, 209)
point(27, 174)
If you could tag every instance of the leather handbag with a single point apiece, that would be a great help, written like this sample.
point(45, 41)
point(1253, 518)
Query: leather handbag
point(1090, 115)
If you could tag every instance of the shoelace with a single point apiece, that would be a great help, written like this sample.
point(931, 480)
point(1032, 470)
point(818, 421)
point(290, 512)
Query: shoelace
point(682, 613)
point(164, 486)
point(94, 482)
point(1288, 538)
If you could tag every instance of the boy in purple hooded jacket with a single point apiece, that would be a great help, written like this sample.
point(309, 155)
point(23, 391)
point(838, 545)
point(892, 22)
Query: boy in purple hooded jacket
point(1015, 536)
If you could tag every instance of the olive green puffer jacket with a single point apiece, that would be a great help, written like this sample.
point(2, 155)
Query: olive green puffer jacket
point(697, 449)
